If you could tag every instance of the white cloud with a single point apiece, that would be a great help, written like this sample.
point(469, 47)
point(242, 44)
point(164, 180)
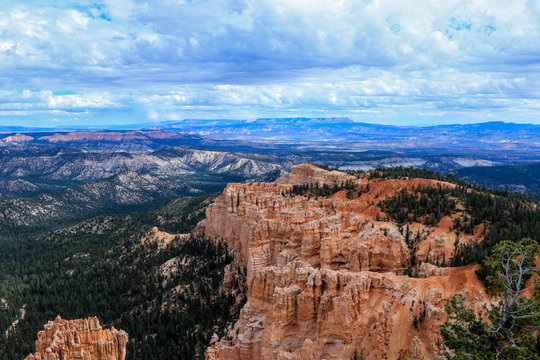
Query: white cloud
point(267, 56)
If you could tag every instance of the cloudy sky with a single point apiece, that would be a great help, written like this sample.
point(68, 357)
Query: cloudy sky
point(66, 63)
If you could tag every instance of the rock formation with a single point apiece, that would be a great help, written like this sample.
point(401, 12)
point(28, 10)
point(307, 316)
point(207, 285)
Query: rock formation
point(162, 238)
point(326, 278)
point(307, 174)
point(82, 339)
point(17, 138)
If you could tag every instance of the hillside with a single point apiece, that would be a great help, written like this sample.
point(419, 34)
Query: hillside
point(51, 186)
point(169, 299)
point(27, 171)
point(317, 264)
point(522, 178)
point(119, 193)
point(333, 268)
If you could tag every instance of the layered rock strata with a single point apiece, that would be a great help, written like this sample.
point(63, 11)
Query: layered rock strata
point(83, 339)
point(325, 278)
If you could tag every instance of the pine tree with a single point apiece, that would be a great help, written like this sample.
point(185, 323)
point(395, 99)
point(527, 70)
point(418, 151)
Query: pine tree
point(509, 332)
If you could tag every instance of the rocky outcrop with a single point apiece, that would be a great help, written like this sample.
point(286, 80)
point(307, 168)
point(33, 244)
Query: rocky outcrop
point(313, 175)
point(79, 339)
point(326, 278)
point(17, 138)
point(162, 238)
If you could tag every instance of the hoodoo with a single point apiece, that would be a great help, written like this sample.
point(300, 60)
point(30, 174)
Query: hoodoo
point(326, 276)
point(79, 339)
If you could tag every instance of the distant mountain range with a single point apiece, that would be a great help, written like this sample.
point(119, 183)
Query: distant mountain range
point(286, 134)
point(345, 134)
point(35, 161)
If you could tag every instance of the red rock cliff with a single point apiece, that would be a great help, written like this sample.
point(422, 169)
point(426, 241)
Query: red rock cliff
point(325, 278)
point(79, 339)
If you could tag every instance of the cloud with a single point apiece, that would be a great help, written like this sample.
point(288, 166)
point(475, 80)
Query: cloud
point(395, 59)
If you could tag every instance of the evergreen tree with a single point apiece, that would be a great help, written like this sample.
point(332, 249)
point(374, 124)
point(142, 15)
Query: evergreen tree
point(507, 330)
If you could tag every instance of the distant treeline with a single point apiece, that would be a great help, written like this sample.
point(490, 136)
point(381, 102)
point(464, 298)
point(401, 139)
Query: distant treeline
point(314, 190)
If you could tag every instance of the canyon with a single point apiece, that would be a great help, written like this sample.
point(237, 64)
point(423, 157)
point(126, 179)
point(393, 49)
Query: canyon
point(326, 274)
point(83, 339)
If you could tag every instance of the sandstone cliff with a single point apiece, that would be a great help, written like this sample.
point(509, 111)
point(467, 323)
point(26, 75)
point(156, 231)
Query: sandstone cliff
point(325, 278)
point(79, 339)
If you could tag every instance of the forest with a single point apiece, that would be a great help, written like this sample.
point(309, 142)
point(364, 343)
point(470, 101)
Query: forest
point(99, 267)
point(505, 215)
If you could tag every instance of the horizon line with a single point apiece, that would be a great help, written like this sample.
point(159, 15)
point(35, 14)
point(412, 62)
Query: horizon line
point(162, 125)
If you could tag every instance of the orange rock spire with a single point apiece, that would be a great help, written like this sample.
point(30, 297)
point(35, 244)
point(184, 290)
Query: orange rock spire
point(81, 339)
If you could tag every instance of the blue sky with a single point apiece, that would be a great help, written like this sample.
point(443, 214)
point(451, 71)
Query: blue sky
point(79, 63)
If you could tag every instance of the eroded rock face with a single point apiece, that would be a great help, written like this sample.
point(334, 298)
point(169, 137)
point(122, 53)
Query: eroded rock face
point(325, 278)
point(83, 339)
point(310, 174)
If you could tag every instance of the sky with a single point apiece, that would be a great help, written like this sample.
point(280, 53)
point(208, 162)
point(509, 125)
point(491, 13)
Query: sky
point(118, 62)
